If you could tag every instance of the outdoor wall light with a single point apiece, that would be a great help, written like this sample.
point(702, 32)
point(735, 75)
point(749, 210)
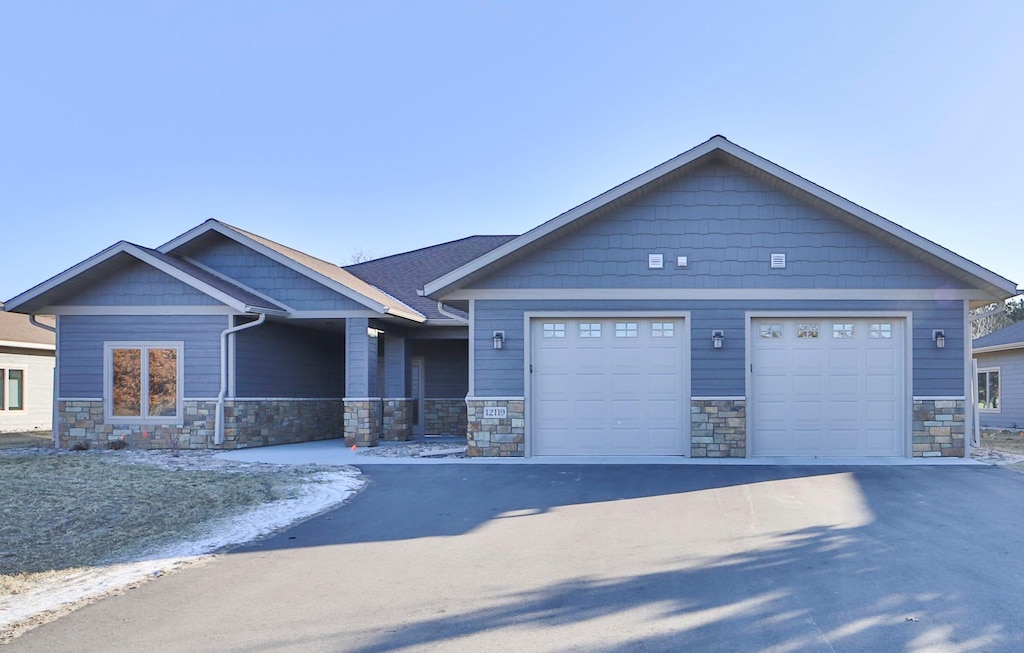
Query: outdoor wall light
point(939, 336)
point(499, 339)
point(717, 338)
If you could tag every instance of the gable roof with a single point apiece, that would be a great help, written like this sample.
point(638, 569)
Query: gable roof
point(402, 275)
point(323, 272)
point(17, 331)
point(1009, 337)
point(49, 292)
point(720, 148)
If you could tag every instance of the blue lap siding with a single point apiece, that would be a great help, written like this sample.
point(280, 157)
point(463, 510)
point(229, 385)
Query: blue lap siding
point(81, 349)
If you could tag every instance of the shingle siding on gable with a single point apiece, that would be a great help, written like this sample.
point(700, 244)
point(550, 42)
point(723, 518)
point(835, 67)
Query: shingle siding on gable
point(139, 284)
point(279, 361)
point(81, 349)
point(717, 373)
point(728, 224)
point(1011, 391)
point(270, 278)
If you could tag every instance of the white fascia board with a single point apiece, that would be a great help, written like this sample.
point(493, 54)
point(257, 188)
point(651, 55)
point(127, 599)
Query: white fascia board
point(242, 239)
point(871, 218)
point(443, 283)
point(997, 348)
point(838, 294)
point(438, 287)
point(72, 272)
point(18, 344)
point(142, 310)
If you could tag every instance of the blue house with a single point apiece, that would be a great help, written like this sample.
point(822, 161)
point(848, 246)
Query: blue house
point(999, 357)
point(717, 305)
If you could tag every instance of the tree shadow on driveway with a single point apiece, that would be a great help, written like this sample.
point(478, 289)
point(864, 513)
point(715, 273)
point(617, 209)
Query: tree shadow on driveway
point(736, 559)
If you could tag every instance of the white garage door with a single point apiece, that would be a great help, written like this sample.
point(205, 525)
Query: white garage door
point(613, 386)
point(828, 387)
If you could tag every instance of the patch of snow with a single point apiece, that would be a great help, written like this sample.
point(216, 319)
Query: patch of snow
point(993, 457)
point(321, 491)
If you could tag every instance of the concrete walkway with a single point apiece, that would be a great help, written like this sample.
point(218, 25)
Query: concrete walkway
point(334, 452)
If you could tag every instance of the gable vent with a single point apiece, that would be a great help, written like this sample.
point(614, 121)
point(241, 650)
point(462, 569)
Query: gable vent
point(778, 260)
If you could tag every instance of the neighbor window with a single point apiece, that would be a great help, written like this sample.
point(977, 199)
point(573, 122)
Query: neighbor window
point(142, 381)
point(12, 389)
point(988, 389)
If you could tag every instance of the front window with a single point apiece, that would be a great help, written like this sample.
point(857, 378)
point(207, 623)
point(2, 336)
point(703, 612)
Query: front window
point(12, 389)
point(988, 389)
point(143, 381)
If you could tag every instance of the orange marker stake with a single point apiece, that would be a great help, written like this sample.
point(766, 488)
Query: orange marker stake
point(354, 446)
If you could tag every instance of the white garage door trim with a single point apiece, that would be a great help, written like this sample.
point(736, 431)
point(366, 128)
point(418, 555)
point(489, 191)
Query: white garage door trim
point(905, 404)
point(528, 360)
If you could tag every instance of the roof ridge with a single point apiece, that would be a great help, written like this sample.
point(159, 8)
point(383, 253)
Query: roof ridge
point(422, 249)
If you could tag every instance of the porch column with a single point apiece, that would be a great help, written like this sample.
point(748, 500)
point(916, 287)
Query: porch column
point(362, 408)
point(397, 404)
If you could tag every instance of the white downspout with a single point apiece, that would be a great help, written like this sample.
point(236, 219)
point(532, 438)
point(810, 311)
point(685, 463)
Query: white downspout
point(218, 428)
point(54, 413)
point(453, 316)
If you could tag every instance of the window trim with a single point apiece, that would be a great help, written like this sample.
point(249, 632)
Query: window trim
point(5, 389)
point(986, 371)
point(108, 381)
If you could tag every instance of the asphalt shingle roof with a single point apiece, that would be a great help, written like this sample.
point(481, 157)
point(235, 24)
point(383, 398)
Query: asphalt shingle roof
point(402, 275)
point(15, 327)
point(1012, 334)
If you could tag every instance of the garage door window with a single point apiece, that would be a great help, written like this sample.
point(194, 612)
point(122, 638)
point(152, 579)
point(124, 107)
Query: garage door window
point(662, 329)
point(881, 330)
point(771, 331)
point(554, 330)
point(590, 329)
point(625, 329)
point(804, 331)
point(988, 389)
point(842, 331)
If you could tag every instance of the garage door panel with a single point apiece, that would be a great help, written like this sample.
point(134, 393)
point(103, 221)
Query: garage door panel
point(842, 393)
point(623, 395)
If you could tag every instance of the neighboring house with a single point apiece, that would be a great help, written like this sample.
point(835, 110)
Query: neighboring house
point(1000, 360)
point(26, 373)
point(717, 305)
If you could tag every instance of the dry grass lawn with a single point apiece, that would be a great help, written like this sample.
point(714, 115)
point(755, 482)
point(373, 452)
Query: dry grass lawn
point(1003, 440)
point(67, 510)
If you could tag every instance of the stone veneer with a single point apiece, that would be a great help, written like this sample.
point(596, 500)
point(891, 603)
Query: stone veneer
point(492, 436)
point(939, 427)
point(718, 428)
point(363, 421)
point(397, 419)
point(444, 416)
point(246, 424)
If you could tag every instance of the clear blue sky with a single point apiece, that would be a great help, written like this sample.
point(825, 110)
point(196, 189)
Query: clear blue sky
point(386, 126)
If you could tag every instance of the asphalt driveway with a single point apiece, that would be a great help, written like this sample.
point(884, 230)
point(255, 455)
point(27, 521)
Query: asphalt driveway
point(605, 558)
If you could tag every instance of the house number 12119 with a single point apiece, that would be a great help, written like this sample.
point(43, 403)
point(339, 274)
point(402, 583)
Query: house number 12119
point(499, 412)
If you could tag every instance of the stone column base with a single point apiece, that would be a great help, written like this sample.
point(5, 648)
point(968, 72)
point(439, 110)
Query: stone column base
point(362, 421)
point(502, 436)
point(397, 419)
point(939, 428)
point(718, 428)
